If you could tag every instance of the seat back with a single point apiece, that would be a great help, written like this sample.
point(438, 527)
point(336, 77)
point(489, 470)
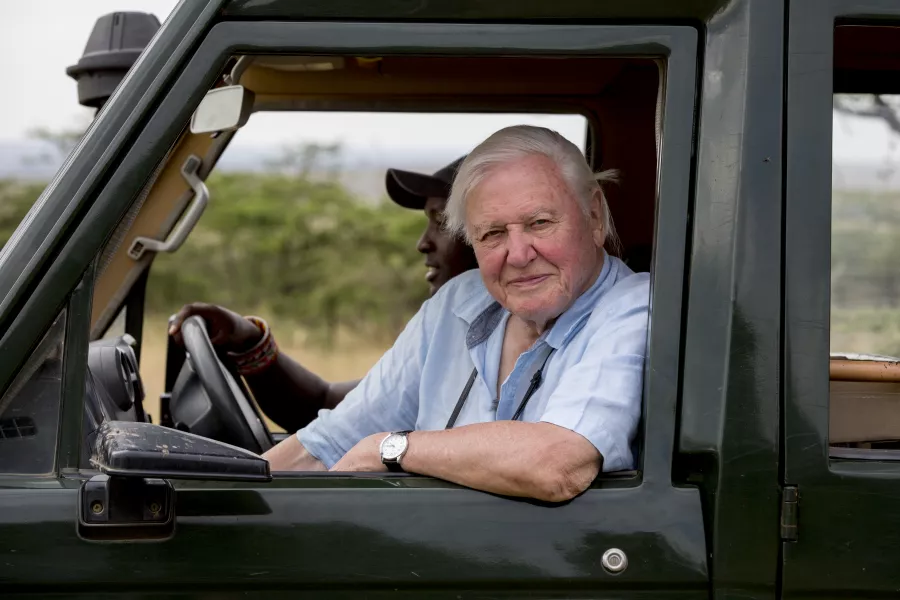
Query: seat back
point(865, 399)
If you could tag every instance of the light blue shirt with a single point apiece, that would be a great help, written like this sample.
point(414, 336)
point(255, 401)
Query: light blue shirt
point(592, 382)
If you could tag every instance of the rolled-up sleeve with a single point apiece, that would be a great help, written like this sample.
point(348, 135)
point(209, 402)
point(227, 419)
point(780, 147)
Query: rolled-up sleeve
point(387, 398)
point(599, 396)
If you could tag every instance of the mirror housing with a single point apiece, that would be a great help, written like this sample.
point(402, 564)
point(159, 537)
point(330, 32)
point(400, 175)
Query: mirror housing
point(223, 109)
point(128, 449)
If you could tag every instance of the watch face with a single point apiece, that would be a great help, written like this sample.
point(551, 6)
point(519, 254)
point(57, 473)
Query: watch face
point(393, 446)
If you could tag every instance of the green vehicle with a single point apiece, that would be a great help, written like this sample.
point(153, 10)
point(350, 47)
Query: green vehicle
point(768, 467)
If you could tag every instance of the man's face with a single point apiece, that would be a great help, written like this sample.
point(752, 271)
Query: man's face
point(536, 249)
point(445, 256)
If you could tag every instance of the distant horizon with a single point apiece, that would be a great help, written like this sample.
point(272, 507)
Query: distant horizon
point(362, 170)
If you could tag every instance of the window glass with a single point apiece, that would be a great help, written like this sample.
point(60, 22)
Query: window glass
point(29, 410)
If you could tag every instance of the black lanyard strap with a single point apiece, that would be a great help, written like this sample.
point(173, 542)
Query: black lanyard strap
point(536, 381)
point(462, 399)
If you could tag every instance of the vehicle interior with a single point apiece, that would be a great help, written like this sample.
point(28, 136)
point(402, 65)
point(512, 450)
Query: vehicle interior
point(621, 99)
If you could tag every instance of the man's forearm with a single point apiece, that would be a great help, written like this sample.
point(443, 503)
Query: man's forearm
point(290, 455)
point(536, 460)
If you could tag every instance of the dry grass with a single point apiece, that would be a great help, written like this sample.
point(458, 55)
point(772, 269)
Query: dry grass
point(349, 359)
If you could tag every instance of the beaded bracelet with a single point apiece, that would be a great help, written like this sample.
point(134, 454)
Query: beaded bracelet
point(261, 356)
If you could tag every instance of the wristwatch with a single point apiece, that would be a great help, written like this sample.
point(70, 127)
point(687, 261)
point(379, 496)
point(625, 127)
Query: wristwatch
point(393, 449)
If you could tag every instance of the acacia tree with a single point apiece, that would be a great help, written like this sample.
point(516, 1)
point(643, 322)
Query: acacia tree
point(60, 141)
point(871, 106)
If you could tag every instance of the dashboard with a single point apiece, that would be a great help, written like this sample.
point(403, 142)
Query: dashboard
point(30, 410)
point(113, 388)
point(113, 391)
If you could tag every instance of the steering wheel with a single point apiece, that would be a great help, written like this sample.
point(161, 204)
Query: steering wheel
point(237, 421)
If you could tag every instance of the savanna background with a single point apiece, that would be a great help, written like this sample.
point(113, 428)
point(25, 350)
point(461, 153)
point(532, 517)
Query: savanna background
point(299, 229)
point(335, 275)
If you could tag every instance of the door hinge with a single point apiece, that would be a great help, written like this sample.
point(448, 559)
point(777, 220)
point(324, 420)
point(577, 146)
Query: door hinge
point(790, 500)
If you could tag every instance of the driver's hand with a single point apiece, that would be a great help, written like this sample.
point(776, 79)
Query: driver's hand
point(227, 329)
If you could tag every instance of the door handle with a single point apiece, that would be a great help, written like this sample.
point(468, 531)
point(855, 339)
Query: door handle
point(142, 244)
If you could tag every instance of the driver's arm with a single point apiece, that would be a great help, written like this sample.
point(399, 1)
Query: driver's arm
point(387, 398)
point(291, 395)
point(286, 392)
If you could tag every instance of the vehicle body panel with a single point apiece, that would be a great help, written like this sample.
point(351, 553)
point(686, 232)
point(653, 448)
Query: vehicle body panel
point(736, 398)
point(345, 534)
point(729, 425)
point(848, 521)
point(646, 11)
point(230, 539)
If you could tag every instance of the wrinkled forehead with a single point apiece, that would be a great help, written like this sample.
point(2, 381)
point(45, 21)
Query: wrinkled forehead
point(519, 189)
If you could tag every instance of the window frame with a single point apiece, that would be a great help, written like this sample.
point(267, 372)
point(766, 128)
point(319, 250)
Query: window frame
point(676, 44)
point(807, 237)
point(842, 501)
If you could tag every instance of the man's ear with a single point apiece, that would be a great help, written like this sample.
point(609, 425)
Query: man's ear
point(598, 231)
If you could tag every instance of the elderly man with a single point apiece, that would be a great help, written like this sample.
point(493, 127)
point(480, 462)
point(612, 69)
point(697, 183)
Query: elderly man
point(523, 378)
point(287, 392)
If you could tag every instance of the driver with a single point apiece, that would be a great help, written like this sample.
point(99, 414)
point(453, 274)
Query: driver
point(523, 378)
point(288, 393)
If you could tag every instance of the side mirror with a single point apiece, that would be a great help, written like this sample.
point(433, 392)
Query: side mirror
point(127, 449)
point(223, 109)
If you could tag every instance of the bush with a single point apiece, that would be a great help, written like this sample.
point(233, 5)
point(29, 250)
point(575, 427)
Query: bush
point(285, 245)
point(301, 250)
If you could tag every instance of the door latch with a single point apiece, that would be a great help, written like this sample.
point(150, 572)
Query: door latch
point(112, 508)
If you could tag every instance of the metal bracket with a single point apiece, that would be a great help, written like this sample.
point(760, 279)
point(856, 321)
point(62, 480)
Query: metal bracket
point(234, 78)
point(189, 170)
point(125, 508)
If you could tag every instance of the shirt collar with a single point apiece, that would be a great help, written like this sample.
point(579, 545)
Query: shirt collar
point(482, 313)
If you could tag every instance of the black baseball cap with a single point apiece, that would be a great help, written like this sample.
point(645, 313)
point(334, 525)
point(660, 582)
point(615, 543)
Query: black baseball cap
point(411, 190)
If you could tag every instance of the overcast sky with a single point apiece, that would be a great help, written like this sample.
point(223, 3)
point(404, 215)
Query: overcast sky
point(40, 38)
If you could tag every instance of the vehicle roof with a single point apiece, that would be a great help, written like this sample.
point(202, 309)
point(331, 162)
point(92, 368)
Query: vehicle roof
point(518, 10)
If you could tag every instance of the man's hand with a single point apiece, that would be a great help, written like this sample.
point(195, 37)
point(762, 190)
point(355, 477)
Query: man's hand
point(227, 329)
point(364, 456)
point(288, 393)
point(290, 455)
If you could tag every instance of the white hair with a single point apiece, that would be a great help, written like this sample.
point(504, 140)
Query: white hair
point(519, 141)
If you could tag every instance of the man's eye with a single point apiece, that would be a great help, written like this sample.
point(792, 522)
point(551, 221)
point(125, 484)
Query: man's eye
point(490, 234)
point(540, 222)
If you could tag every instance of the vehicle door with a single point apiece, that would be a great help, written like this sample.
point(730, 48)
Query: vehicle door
point(842, 226)
point(336, 533)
